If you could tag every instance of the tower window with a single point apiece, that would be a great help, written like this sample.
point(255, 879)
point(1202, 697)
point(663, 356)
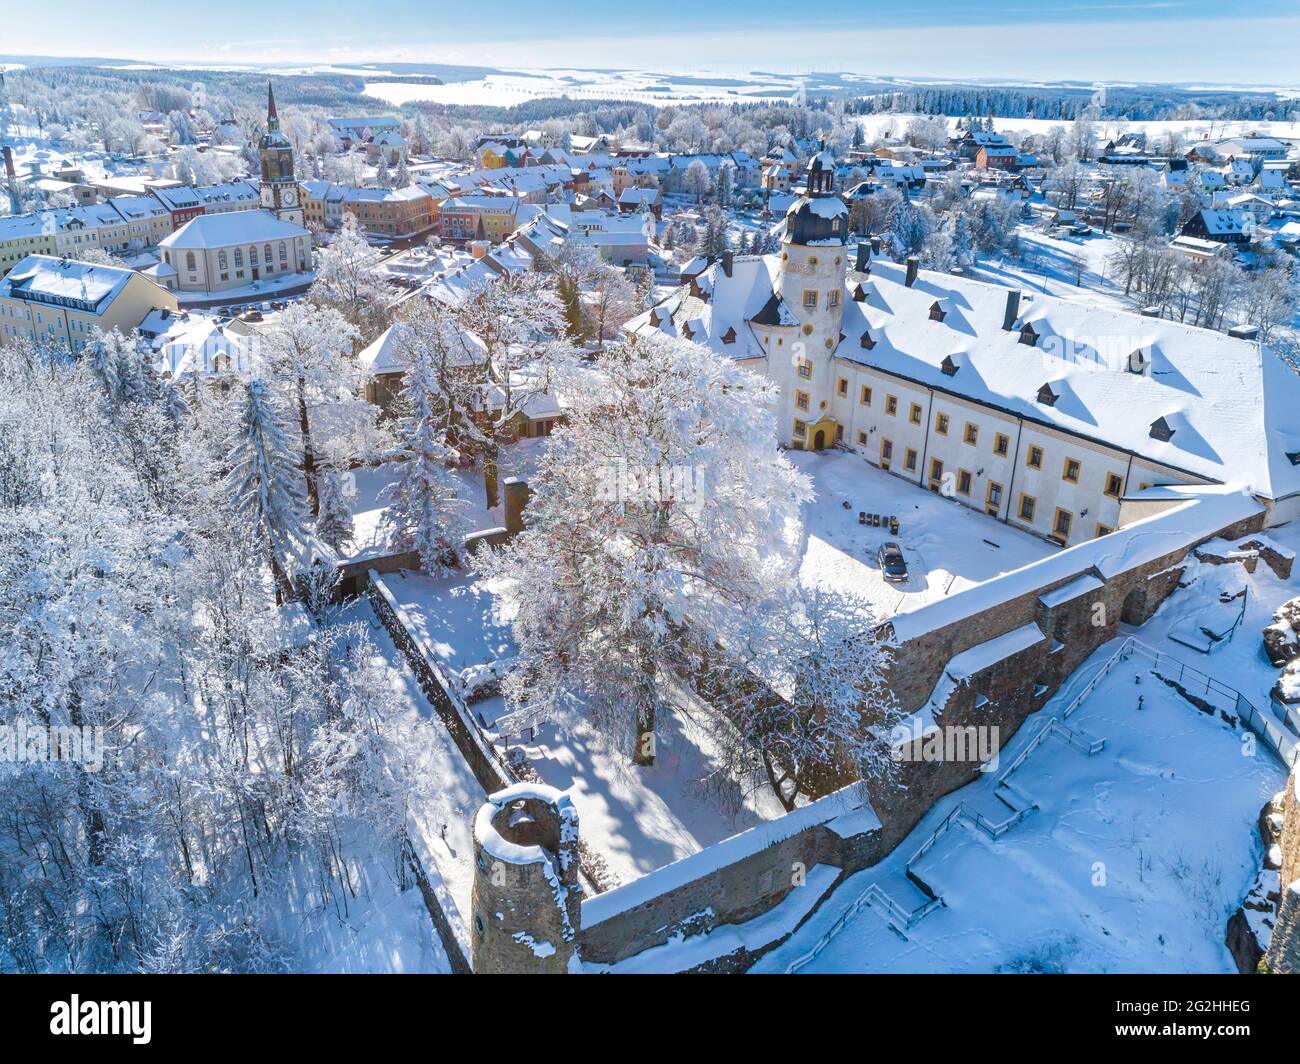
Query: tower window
point(809, 297)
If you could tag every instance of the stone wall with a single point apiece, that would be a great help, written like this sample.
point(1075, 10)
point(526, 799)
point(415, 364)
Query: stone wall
point(732, 882)
point(441, 922)
point(491, 771)
point(1076, 599)
point(1284, 950)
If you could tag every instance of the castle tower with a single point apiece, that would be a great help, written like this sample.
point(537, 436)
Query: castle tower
point(810, 283)
point(6, 150)
point(527, 902)
point(280, 192)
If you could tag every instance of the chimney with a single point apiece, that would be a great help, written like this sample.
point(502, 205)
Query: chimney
point(875, 245)
point(1244, 332)
point(517, 494)
point(1012, 311)
point(863, 263)
point(728, 260)
point(1150, 312)
point(913, 265)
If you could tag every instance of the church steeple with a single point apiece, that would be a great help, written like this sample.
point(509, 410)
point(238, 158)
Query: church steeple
point(280, 192)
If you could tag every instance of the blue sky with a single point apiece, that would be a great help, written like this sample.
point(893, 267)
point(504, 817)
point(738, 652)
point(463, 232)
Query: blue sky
point(1221, 41)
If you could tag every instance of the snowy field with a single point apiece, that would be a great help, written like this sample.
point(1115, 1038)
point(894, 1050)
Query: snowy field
point(506, 89)
point(1136, 856)
point(948, 546)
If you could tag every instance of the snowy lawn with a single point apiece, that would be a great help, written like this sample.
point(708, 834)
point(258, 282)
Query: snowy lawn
point(636, 819)
point(1047, 267)
point(948, 546)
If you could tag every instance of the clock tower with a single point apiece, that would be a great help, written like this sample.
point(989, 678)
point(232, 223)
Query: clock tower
point(281, 194)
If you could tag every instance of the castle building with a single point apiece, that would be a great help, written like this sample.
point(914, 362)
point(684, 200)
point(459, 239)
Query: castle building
point(1039, 411)
point(281, 194)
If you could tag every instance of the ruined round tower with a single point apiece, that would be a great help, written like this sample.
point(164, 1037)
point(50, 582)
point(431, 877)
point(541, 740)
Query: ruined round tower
point(527, 901)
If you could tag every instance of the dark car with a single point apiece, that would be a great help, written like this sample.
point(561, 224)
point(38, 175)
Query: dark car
point(892, 564)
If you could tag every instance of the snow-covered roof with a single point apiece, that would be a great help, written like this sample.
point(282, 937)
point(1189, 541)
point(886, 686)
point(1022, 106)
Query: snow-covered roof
point(387, 353)
point(201, 344)
point(1233, 404)
point(45, 279)
point(235, 227)
point(1197, 514)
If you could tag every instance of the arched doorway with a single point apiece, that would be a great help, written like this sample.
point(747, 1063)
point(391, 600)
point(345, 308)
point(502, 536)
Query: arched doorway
point(819, 440)
point(1134, 610)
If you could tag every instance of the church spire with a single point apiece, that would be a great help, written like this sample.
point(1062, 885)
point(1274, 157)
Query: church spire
point(272, 117)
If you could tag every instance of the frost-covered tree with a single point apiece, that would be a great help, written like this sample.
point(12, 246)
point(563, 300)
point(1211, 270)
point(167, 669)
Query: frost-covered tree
point(660, 525)
point(334, 521)
point(697, 180)
point(264, 487)
point(306, 353)
point(421, 502)
point(808, 704)
point(350, 280)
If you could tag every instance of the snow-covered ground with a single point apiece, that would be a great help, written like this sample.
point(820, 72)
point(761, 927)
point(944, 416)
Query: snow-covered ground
point(442, 823)
point(1046, 266)
point(506, 89)
point(1135, 857)
point(948, 546)
point(636, 819)
point(366, 484)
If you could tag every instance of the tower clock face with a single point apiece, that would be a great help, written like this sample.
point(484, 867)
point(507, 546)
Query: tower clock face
point(290, 196)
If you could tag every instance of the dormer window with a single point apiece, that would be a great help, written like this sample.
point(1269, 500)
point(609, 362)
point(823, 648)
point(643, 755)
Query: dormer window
point(1161, 430)
point(949, 366)
point(656, 319)
point(1046, 396)
point(937, 313)
point(1293, 457)
point(859, 293)
point(729, 337)
point(1139, 362)
point(1028, 335)
point(867, 342)
point(688, 332)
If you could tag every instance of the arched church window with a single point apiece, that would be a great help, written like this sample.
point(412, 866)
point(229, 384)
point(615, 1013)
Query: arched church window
point(222, 260)
point(252, 255)
point(189, 261)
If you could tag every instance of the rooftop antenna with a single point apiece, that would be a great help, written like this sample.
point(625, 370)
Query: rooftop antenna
point(6, 148)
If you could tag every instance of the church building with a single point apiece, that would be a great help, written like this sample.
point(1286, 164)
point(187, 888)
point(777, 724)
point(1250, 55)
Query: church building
point(258, 251)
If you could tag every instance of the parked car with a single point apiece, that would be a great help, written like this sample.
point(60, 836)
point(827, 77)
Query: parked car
point(892, 563)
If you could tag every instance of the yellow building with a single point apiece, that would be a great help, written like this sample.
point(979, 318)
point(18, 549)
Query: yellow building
point(22, 235)
point(66, 301)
